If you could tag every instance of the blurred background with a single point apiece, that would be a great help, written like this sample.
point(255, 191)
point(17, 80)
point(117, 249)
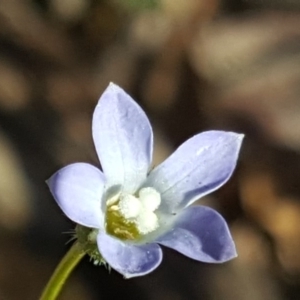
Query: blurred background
point(193, 65)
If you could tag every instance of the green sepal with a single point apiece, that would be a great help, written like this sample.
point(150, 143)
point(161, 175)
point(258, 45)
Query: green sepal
point(87, 238)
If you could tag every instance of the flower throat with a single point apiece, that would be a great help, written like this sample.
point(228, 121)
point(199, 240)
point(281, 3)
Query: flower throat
point(129, 217)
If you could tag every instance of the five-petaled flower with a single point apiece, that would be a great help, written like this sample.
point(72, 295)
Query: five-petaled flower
point(133, 209)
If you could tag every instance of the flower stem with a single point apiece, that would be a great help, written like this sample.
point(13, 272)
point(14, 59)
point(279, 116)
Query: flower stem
point(62, 272)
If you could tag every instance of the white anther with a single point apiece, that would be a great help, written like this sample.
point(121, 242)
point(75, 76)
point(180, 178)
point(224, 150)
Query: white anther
point(129, 206)
point(112, 200)
point(149, 198)
point(114, 208)
point(146, 222)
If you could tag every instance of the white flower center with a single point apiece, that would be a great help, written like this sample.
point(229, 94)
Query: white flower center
point(129, 206)
point(150, 198)
point(135, 213)
point(147, 221)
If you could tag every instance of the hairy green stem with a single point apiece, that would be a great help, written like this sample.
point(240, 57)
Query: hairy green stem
point(62, 272)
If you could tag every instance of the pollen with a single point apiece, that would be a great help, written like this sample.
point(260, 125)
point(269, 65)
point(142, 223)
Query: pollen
point(149, 198)
point(118, 226)
point(147, 222)
point(129, 206)
point(129, 217)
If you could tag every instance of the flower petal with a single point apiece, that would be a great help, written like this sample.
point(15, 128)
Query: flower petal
point(198, 167)
point(78, 189)
point(129, 260)
point(200, 233)
point(123, 139)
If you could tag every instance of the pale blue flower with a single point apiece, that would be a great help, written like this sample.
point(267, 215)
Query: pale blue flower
point(133, 209)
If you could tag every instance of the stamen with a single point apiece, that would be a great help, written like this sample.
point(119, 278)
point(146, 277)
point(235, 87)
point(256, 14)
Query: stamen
point(114, 199)
point(129, 206)
point(146, 222)
point(149, 198)
point(129, 217)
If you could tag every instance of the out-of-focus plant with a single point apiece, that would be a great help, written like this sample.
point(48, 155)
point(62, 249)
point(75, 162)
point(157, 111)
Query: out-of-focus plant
point(138, 4)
